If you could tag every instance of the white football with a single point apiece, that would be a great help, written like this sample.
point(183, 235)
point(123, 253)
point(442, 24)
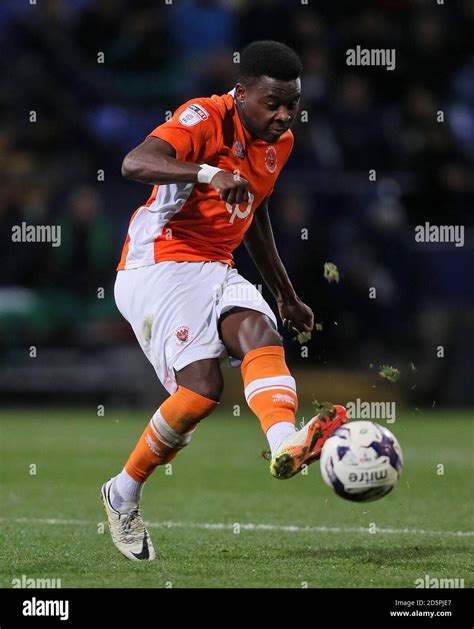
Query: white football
point(361, 461)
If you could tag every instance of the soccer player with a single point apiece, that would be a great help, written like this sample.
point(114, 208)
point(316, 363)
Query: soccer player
point(213, 166)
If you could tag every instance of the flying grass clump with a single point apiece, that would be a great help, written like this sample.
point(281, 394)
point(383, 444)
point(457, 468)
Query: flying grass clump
point(331, 272)
point(324, 409)
point(389, 373)
point(266, 454)
point(304, 337)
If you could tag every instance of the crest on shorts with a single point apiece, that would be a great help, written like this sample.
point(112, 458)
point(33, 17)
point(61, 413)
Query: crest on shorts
point(239, 150)
point(182, 334)
point(271, 159)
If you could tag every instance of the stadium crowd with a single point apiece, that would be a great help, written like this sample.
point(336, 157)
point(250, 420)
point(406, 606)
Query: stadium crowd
point(63, 166)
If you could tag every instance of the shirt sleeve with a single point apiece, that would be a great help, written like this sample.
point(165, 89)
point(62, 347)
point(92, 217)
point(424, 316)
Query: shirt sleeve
point(194, 131)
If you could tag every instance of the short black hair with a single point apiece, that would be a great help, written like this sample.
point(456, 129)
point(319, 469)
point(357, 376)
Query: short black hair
point(269, 58)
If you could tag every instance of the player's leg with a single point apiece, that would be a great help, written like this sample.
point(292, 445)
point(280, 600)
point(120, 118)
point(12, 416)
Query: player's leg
point(169, 430)
point(171, 427)
point(204, 377)
point(169, 312)
point(270, 391)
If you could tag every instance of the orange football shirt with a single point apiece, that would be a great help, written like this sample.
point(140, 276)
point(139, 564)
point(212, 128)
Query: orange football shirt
point(189, 221)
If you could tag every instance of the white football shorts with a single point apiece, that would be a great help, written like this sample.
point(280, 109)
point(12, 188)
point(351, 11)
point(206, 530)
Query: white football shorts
point(174, 309)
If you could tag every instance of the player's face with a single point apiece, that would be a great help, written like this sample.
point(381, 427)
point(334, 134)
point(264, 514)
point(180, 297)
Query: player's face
point(268, 108)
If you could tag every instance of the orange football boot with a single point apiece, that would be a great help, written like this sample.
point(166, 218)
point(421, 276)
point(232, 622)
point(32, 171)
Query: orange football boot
point(304, 446)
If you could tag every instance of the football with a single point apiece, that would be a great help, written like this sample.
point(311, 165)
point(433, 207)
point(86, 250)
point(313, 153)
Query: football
point(361, 461)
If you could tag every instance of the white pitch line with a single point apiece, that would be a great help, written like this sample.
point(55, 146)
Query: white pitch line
point(248, 526)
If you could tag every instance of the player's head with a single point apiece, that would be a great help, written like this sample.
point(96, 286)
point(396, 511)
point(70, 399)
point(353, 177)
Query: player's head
point(268, 88)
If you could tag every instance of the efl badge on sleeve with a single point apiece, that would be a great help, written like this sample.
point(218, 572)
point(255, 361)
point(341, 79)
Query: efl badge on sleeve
point(192, 115)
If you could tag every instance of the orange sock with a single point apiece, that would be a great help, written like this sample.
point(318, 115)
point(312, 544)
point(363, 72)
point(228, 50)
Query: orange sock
point(169, 430)
point(270, 390)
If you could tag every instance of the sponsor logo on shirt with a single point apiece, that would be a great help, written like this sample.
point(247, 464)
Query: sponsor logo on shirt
point(193, 114)
point(235, 210)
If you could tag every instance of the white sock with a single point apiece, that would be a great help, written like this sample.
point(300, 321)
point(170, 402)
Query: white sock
point(125, 492)
point(277, 433)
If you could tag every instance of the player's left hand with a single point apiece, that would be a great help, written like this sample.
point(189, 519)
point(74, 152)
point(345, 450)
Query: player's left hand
point(296, 315)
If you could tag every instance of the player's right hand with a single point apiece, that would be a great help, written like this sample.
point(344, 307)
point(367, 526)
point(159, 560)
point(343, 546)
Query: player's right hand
point(231, 187)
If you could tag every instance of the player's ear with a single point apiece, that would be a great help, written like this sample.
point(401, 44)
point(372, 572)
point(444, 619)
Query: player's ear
point(240, 92)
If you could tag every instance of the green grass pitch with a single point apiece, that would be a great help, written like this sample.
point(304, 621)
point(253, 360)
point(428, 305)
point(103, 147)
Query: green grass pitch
point(52, 522)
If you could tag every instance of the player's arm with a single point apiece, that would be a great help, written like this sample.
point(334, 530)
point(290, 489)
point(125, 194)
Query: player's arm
point(154, 162)
point(261, 246)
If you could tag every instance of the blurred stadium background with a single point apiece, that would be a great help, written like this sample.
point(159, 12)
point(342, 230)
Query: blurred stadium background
point(156, 56)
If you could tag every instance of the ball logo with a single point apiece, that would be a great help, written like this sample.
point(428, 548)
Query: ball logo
point(368, 477)
point(271, 159)
point(365, 457)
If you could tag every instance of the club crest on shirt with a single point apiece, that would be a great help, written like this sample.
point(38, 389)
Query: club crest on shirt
point(239, 150)
point(182, 335)
point(271, 159)
point(193, 114)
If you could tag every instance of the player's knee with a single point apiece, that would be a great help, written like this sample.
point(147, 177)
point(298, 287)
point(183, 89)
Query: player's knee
point(204, 377)
point(270, 337)
point(210, 388)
